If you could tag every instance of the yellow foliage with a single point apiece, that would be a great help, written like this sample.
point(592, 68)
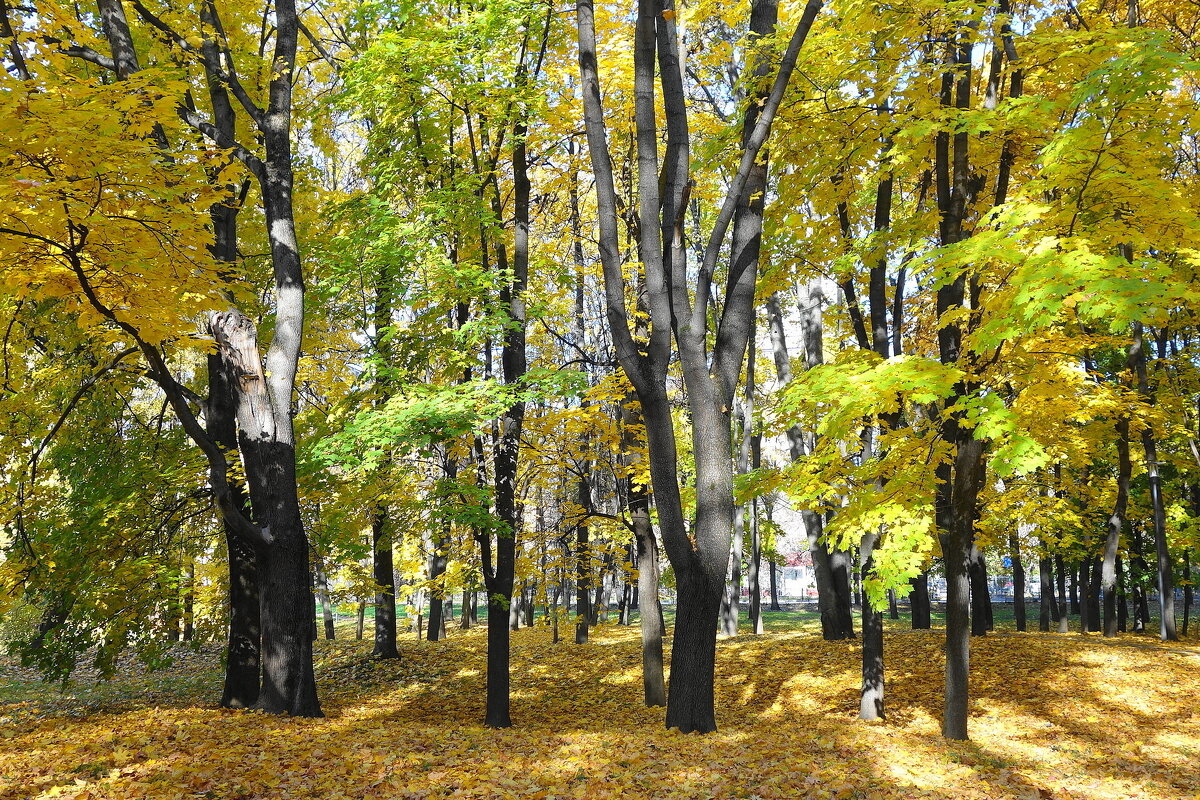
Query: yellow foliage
point(1053, 717)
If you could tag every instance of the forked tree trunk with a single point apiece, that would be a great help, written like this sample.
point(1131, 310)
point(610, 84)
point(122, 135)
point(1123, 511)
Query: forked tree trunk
point(701, 558)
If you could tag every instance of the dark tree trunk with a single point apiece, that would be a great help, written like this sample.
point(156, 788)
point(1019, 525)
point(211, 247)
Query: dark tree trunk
point(243, 653)
point(1073, 587)
point(385, 580)
point(700, 559)
point(1141, 602)
point(583, 565)
point(1187, 590)
point(437, 587)
point(242, 657)
point(870, 704)
point(1093, 595)
point(1048, 610)
point(918, 601)
point(981, 601)
point(1060, 572)
point(360, 620)
point(1085, 608)
point(499, 576)
point(774, 587)
point(1122, 594)
point(189, 601)
point(1018, 576)
point(842, 615)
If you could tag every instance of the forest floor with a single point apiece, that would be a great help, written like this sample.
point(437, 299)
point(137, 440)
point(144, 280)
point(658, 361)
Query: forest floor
point(1053, 716)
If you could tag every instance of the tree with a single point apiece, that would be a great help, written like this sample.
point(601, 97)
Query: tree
point(699, 560)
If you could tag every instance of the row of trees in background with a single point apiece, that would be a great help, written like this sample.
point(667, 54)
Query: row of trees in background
point(510, 263)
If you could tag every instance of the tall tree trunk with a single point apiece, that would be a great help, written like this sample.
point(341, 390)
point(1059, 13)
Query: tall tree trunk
point(1085, 606)
point(870, 705)
point(1064, 608)
point(650, 615)
point(1093, 594)
point(583, 561)
point(323, 599)
point(499, 576)
point(385, 581)
point(189, 602)
point(918, 602)
point(1116, 526)
point(1018, 577)
point(700, 559)
point(753, 578)
point(774, 581)
point(833, 602)
point(1122, 593)
point(1048, 611)
point(981, 600)
point(1164, 567)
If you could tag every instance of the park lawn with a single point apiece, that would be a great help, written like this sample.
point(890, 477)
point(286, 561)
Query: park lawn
point(1054, 716)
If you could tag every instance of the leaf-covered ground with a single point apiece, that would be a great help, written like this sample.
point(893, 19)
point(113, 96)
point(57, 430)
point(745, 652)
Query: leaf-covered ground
point(1054, 716)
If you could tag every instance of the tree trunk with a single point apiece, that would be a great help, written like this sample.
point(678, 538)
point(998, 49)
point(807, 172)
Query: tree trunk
point(1085, 607)
point(1187, 588)
point(1093, 594)
point(1048, 610)
point(918, 601)
point(583, 564)
point(1018, 577)
point(1164, 567)
point(437, 586)
point(1064, 608)
point(650, 614)
point(323, 599)
point(385, 581)
point(1122, 594)
point(830, 571)
point(981, 600)
point(1073, 587)
point(700, 559)
point(870, 705)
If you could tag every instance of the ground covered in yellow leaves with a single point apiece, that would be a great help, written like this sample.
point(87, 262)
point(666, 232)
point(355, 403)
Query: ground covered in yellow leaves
point(1054, 716)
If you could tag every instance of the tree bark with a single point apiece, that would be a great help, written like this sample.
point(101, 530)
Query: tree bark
point(981, 600)
point(1164, 567)
point(650, 615)
point(830, 570)
point(1093, 594)
point(1116, 526)
point(1018, 577)
point(700, 559)
point(918, 601)
point(323, 599)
